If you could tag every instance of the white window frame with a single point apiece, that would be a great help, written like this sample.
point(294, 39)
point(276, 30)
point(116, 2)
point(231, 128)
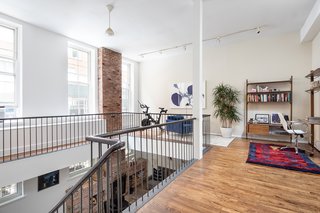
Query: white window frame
point(79, 171)
point(82, 171)
point(92, 64)
point(131, 68)
point(17, 66)
point(13, 197)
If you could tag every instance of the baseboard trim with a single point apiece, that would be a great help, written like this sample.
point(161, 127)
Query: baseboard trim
point(261, 138)
point(219, 134)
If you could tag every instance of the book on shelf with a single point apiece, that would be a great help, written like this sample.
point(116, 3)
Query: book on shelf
point(279, 97)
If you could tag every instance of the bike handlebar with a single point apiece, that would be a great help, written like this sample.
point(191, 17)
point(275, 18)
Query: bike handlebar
point(144, 106)
point(163, 110)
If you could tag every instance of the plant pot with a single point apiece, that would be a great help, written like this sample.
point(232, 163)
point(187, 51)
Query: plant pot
point(226, 132)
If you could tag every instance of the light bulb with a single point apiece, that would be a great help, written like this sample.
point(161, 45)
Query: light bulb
point(109, 32)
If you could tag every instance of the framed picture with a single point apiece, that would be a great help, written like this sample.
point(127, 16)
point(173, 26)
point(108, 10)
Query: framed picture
point(275, 118)
point(262, 118)
point(181, 95)
point(48, 180)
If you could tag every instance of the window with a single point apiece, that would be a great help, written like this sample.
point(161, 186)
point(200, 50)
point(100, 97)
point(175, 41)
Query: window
point(81, 79)
point(127, 87)
point(10, 192)
point(9, 65)
point(79, 168)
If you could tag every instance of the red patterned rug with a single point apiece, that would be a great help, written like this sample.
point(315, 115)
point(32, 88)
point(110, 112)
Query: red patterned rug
point(271, 155)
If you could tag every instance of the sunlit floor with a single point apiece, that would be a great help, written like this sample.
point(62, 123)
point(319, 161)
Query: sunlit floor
point(223, 182)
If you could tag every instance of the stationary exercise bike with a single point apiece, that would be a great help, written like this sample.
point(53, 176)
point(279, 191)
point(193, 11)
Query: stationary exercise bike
point(149, 119)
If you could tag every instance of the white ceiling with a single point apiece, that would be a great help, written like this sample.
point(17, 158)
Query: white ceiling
point(145, 25)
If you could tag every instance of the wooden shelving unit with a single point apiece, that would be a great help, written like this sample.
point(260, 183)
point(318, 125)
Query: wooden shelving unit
point(267, 97)
point(312, 76)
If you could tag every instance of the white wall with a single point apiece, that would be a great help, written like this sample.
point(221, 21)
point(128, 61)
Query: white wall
point(42, 164)
point(44, 70)
point(45, 82)
point(315, 65)
point(42, 201)
point(27, 170)
point(262, 59)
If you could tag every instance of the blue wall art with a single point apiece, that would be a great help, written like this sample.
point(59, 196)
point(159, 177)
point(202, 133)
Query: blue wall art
point(181, 95)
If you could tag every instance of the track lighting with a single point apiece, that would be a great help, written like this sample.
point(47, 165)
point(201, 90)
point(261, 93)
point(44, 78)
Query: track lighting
point(217, 38)
point(258, 30)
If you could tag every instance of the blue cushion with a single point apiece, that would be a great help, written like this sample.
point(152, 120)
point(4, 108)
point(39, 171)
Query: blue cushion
point(175, 117)
point(181, 128)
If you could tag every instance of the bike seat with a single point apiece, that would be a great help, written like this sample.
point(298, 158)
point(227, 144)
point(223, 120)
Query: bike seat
point(161, 108)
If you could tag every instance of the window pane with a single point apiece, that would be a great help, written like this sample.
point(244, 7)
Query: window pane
point(7, 89)
point(6, 42)
point(79, 166)
point(78, 99)
point(6, 66)
point(124, 67)
point(78, 65)
point(72, 75)
point(126, 87)
point(78, 77)
point(78, 105)
point(78, 91)
point(8, 190)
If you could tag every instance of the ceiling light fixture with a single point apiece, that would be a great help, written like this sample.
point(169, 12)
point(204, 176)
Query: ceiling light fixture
point(258, 30)
point(217, 38)
point(109, 31)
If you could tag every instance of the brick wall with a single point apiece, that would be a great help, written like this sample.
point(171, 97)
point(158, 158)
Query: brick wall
point(110, 86)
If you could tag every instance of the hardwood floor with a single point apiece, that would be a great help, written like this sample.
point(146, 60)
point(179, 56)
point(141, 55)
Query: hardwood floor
point(223, 182)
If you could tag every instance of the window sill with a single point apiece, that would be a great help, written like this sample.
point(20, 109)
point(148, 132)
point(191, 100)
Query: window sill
point(77, 175)
point(12, 200)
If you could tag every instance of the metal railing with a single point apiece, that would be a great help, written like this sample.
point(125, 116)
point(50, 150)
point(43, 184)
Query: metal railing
point(82, 195)
point(31, 136)
point(24, 137)
point(206, 132)
point(132, 171)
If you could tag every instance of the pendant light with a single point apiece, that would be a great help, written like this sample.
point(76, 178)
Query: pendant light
point(109, 31)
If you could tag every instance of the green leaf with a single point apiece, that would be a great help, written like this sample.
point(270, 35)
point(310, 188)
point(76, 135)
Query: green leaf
point(225, 100)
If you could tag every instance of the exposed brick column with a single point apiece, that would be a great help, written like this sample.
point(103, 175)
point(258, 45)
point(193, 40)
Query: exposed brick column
point(110, 86)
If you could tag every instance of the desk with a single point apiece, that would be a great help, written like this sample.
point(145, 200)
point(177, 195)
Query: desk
point(312, 121)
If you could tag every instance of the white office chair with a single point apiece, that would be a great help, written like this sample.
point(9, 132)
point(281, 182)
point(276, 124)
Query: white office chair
point(296, 128)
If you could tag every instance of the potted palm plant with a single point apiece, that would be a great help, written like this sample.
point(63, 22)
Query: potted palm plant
point(225, 100)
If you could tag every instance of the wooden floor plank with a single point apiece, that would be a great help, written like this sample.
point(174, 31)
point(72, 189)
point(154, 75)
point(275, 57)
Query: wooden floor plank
point(223, 182)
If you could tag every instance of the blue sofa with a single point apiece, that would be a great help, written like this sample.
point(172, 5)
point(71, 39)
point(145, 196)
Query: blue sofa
point(181, 128)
